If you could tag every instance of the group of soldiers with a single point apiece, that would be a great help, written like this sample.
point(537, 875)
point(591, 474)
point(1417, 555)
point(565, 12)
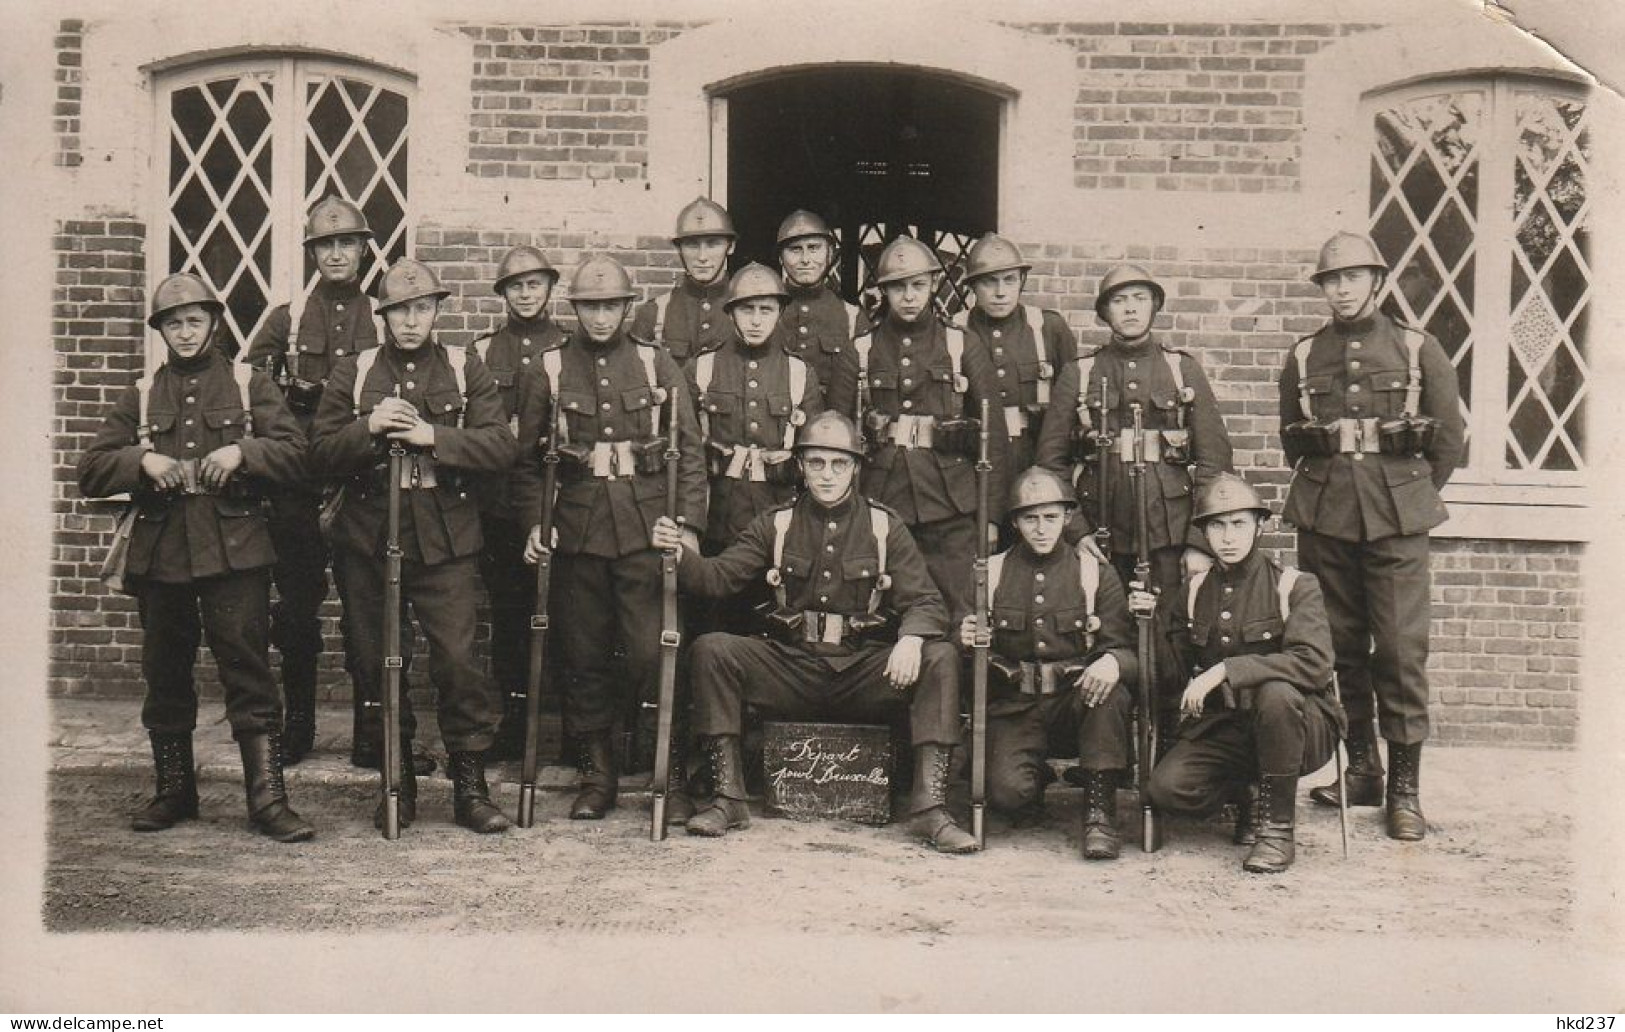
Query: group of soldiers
point(824, 479)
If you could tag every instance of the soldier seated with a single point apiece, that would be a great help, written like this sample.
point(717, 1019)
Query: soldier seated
point(1258, 705)
point(1061, 650)
point(839, 566)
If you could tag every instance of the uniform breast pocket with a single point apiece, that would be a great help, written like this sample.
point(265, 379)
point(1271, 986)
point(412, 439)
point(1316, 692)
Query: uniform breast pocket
point(1387, 387)
point(1165, 401)
point(1009, 618)
point(444, 407)
point(636, 399)
point(577, 406)
point(504, 378)
point(859, 569)
point(1114, 396)
point(831, 344)
point(778, 404)
point(1200, 632)
point(721, 403)
point(883, 381)
point(1319, 389)
point(235, 508)
point(1076, 620)
point(1262, 632)
point(160, 422)
point(796, 564)
point(226, 423)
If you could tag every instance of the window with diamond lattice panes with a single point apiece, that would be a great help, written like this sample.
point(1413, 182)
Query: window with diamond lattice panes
point(251, 145)
point(1478, 203)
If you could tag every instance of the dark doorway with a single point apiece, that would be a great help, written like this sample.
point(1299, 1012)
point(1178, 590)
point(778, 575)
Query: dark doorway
point(876, 151)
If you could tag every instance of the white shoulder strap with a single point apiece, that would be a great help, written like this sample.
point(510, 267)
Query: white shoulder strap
point(458, 357)
point(1197, 580)
point(956, 358)
point(553, 370)
point(646, 354)
point(1086, 369)
point(1035, 323)
point(242, 373)
point(1089, 578)
point(995, 570)
point(143, 396)
point(1413, 358)
point(852, 313)
point(781, 529)
point(862, 345)
point(1300, 355)
point(705, 367)
point(379, 329)
point(1176, 367)
point(482, 345)
point(363, 366)
point(296, 315)
point(798, 392)
point(1046, 372)
point(1289, 577)
point(661, 302)
point(880, 523)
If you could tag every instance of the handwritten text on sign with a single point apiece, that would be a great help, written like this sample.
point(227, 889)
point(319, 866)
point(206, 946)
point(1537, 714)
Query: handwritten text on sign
point(828, 771)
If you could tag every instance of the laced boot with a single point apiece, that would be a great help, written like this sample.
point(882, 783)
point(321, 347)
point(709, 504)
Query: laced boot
point(267, 793)
point(299, 714)
point(407, 807)
point(727, 808)
point(930, 818)
point(1101, 840)
point(1364, 774)
point(471, 797)
point(1278, 801)
point(595, 760)
point(1405, 820)
point(1249, 815)
point(680, 808)
point(176, 798)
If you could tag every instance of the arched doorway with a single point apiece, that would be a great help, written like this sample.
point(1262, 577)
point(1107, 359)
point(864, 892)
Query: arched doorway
point(878, 151)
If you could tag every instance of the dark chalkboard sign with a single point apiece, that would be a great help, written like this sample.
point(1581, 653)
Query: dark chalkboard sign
point(828, 771)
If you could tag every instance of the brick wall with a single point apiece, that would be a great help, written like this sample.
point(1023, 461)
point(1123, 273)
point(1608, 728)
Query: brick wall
point(69, 44)
point(562, 102)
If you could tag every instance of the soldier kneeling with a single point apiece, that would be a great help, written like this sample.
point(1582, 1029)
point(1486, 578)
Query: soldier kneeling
point(839, 566)
point(1062, 653)
point(1259, 704)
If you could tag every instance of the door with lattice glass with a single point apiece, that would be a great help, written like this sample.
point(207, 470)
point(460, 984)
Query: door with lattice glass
point(248, 146)
point(1478, 202)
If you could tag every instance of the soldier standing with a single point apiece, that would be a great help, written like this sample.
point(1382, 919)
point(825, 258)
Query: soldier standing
point(687, 320)
point(195, 444)
point(1063, 653)
point(817, 324)
point(525, 281)
point(1030, 346)
point(1093, 406)
point(917, 385)
point(1255, 658)
point(442, 405)
point(840, 567)
point(1371, 424)
point(299, 344)
point(607, 397)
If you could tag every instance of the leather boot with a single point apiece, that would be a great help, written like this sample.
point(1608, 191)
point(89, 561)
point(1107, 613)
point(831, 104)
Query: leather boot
point(596, 762)
point(267, 793)
point(471, 797)
point(1278, 801)
point(1101, 840)
point(407, 811)
point(176, 799)
point(1405, 820)
point(727, 808)
point(1364, 774)
point(1249, 815)
point(929, 806)
point(509, 743)
point(299, 715)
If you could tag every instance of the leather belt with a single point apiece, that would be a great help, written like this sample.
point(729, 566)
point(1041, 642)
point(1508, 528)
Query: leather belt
point(822, 628)
point(1153, 445)
point(611, 459)
point(1358, 435)
point(751, 462)
point(909, 431)
point(1036, 678)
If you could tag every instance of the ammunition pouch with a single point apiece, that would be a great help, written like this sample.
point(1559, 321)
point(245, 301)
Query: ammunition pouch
point(1176, 447)
point(575, 459)
point(739, 462)
point(650, 456)
point(302, 395)
point(1087, 443)
point(957, 437)
point(1309, 437)
point(804, 627)
point(1033, 678)
point(875, 427)
point(1407, 435)
point(782, 473)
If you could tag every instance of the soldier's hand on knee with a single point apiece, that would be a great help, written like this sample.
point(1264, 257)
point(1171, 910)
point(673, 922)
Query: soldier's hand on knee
point(218, 466)
point(1194, 561)
point(163, 471)
point(1098, 680)
point(1202, 685)
point(903, 667)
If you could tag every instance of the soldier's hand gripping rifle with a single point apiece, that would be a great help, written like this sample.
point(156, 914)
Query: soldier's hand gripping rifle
point(983, 641)
point(539, 624)
point(670, 638)
point(392, 644)
point(1139, 474)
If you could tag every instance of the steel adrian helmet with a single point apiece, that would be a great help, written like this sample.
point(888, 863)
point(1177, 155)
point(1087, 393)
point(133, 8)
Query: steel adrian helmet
point(182, 289)
point(600, 278)
point(334, 216)
point(520, 260)
point(830, 429)
point(993, 253)
point(800, 224)
point(703, 217)
point(754, 280)
point(1228, 492)
point(905, 257)
point(1038, 486)
point(1126, 276)
point(408, 280)
point(1348, 251)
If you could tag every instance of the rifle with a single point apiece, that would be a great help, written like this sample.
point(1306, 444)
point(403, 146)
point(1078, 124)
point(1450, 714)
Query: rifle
point(670, 639)
point(1103, 523)
point(1150, 829)
point(538, 626)
point(983, 644)
point(118, 551)
point(391, 768)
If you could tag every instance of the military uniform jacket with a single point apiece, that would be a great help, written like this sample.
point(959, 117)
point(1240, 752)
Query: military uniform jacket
point(440, 523)
point(509, 353)
point(1139, 373)
point(1236, 620)
point(748, 403)
point(194, 407)
point(694, 321)
point(817, 326)
point(337, 322)
point(830, 565)
point(1360, 370)
point(910, 373)
point(1017, 356)
point(604, 396)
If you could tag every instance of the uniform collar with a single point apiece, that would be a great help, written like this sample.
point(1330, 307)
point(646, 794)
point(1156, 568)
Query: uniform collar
point(399, 355)
point(1135, 347)
point(1243, 570)
point(708, 293)
point(758, 351)
point(606, 348)
point(536, 325)
point(920, 325)
point(197, 363)
point(839, 511)
point(1016, 316)
point(800, 293)
point(1356, 327)
point(327, 291)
